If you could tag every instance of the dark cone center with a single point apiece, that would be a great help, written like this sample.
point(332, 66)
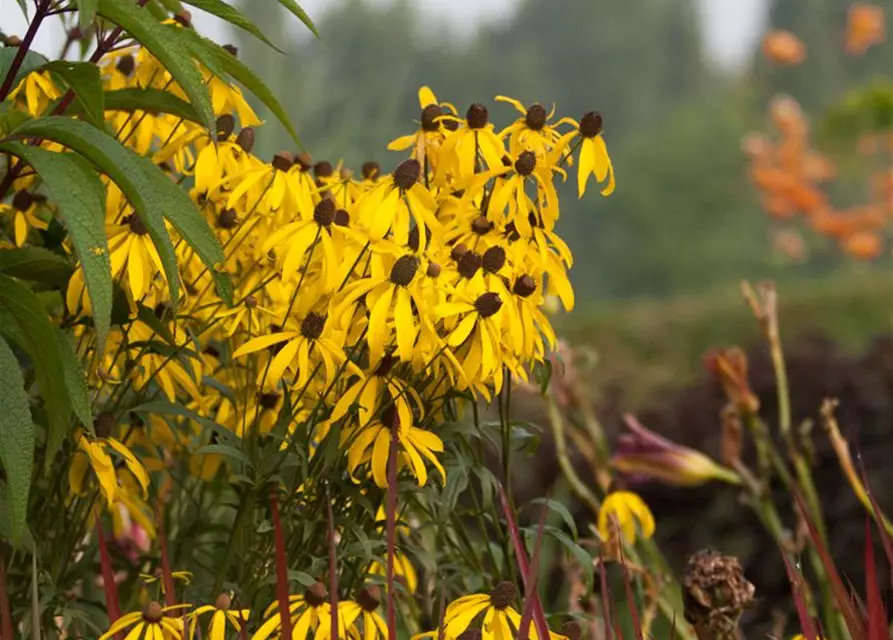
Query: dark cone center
point(137, 225)
point(251, 302)
point(316, 595)
point(323, 169)
point(525, 286)
point(227, 219)
point(477, 116)
point(470, 634)
point(433, 270)
point(245, 139)
point(526, 163)
point(481, 225)
point(591, 124)
point(126, 65)
point(536, 117)
point(404, 270)
point(407, 174)
point(504, 593)
point(269, 400)
point(152, 612)
point(312, 326)
point(469, 264)
point(371, 170)
point(223, 602)
point(342, 218)
point(225, 126)
point(458, 251)
point(282, 161)
point(493, 259)
point(487, 304)
point(369, 598)
point(104, 424)
point(324, 212)
point(22, 200)
point(305, 161)
point(429, 117)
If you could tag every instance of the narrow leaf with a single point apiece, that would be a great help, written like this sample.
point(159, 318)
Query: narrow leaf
point(40, 343)
point(168, 45)
point(231, 14)
point(86, 13)
point(75, 381)
point(151, 100)
point(81, 198)
point(532, 576)
point(879, 518)
point(35, 264)
point(82, 78)
point(301, 15)
point(16, 440)
point(32, 61)
point(630, 599)
point(877, 616)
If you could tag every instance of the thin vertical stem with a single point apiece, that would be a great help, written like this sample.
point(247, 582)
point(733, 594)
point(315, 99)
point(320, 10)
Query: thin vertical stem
point(281, 568)
point(41, 13)
point(391, 533)
point(6, 631)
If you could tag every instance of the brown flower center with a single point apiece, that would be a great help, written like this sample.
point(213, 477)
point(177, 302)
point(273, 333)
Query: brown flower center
point(126, 65)
point(536, 117)
point(137, 225)
point(323, 169)
point(371, 170)
point(283, 161)
point(225, 126)
point(369, 598)
point(153, 612)
point(433, 270)
point(268, 400)
point(503, 594)
point(22, 200)
point(477, 116)
point(227, 219)
point(245, 139)
point(591, 124)
point(104, 424)
point(470, 634)
point(312, 325)
point(493, 259)
point(525, 286)
point(404, 270)
point(481, 225)
point(305, 161)
point(223, 602)
point(407, 174)
point(469, 264)
point(324, 212)
point(429, 117)
point(487, 304)
point(458, 251)
point(526, 163)
point(342, 218)
point(316, 595)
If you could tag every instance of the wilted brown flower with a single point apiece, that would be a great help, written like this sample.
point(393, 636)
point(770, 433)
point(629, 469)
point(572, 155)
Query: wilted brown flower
point(730, 368)
point(715, 593)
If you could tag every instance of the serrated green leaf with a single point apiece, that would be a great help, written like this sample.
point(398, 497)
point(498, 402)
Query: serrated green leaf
point(75, 380)
point(81, 199)
point(16, 441)
point(151, 193)
point(40, 343)
point(231, 14)
point(32, 61)
point(169, 45)
point(148, 99)
point(35, 264)
point(82, 78)
point(26, 540)
point(216, 58)
point(300, 14)
point(86, 13)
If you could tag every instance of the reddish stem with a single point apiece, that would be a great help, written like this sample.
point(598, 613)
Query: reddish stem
point(5, 615)
point(281, 568)
point(391, 533)
point(108, 576)
point(167, 575)
point(24, 47)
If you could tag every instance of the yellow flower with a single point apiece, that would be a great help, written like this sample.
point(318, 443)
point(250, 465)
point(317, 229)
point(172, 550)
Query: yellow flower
point(501, 620)
point(24, 217)
point(403, 570)
point(459, 153)
point(183, 576)
point(629, 512)
point(38, 90)
point(222, 615)
point(96, 455)
point(594, 158)
point(532, 130)
point(309, 612)
point(150, 623)
point(433, 128)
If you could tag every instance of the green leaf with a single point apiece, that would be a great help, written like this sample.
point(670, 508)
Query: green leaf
point(10, 118)
point(216, 57)
point(561, 510)
point(75, 380)
point(32, 61)
point(35, 264)
point(82, 78)
point(169, 45)
point(151, 100)
point(81, 198)
point(225, 450)
point(40, 343)
point(16, 441)
point(86, 13)
point(151, 193)
point(223, 284)
point(26, 540)
point(298, 12)
point(231, 14)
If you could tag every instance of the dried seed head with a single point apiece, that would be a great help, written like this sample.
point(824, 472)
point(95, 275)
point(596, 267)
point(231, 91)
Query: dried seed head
point(591, 124)
point(153, 612)
point(535, 118)
point(504, 593)
point(126, 65)
point(137, 225)
point(316, 595)
point(493, 259)
point(342, 218)
point(481, 225)
point(323, 169)
point(369, 598)
point(371, 170)
point(251, 302)
point(228, 219)
point(477, 116)
point(283, 161)
point(268, 400)
point(225, 126)
point(487, 304)
point(433, 270)
point(245, 139)
point(715, 593)
point(407, 174)
point(458, 251)
point(526, 163)
point(104, 424)
point(223, 602)
point(324, 212)
point(22, 200)
point(231, 49)
point(429, 117)
point(469, 264)
point(404, 270)
point(525, 286)
point(312, 325)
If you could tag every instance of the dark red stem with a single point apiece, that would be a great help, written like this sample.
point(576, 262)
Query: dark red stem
point(281, 568)
point(24, 47)
point(108, 576)
point(5, 614)
point(391, 533)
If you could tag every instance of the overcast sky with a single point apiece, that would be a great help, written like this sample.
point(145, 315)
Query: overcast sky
point(732, 26)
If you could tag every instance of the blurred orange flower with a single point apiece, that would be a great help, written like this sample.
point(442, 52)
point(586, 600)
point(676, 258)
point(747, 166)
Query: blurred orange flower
point(864, 245)
point(865, 27)
point(783, 47)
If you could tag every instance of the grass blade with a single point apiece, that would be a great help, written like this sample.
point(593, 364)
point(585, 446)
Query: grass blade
point(879, 518)
point(807, 625)
point(877, 616)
